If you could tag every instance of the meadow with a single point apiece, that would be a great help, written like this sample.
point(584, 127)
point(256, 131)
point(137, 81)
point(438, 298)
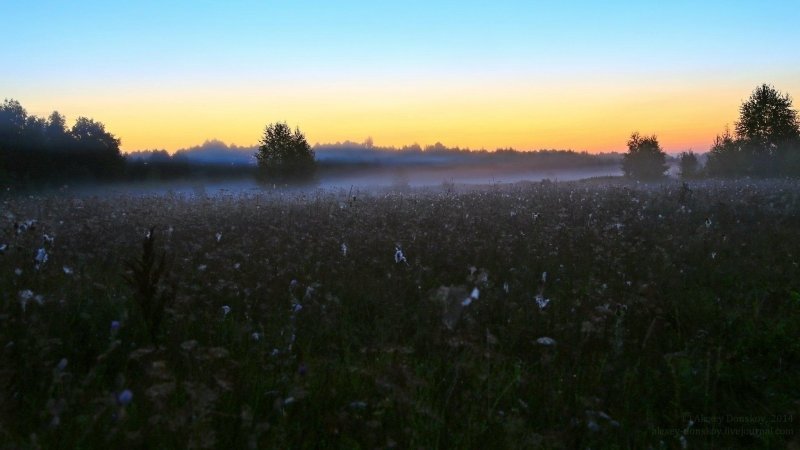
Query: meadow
point(587, 314)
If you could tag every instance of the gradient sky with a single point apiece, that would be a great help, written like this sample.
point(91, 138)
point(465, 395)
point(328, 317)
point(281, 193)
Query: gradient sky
point(525, 74)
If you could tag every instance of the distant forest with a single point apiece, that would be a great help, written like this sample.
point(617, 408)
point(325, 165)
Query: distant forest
point(36, 151)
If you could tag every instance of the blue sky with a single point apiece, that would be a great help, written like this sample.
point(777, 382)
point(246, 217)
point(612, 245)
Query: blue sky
point(318, 64)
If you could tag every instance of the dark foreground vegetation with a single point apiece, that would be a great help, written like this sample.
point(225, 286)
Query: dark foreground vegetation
point(543, 315)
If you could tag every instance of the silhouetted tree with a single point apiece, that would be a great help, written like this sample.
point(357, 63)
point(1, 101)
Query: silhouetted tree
point(725, 159)
point(285, 155)
point(689, 165)
point(96, 148)
point(56, 132)
point(767, 120)
point(33, 149)
point(767, 138)
point(645, 160)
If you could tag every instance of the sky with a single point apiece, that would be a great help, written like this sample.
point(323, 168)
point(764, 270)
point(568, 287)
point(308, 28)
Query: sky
point(531, 74)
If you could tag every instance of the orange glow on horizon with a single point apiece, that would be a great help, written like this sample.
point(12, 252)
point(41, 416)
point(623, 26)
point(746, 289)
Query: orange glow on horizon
point(525, 115)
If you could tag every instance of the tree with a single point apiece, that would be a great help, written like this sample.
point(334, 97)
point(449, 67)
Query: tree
point(767, 120)
point(285, 155)
point(97, 150)
point(645, 160)
point(56, 131)
point(725, 159)
point(689, 165)
point(767, 139)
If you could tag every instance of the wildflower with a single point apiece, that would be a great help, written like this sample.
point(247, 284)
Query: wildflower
point(41, 258)
point(3, 248)
point(541, 301)
point(708, 222)
point(202, 267)
point(544, 277)
point(67, 270)
point(17, 271)
point(256, 336)
point(226, 310)
point(506, 287)
point(48, 239)
point(288, 401)
point(125, 397)
point(219, 236)
point(713, 255)
point(398, 256)
point(472, 296)
point(296, 308)
point(115, 325)
point(237, 266)
point(27, 295)
point(344, 249)
point(546, 341)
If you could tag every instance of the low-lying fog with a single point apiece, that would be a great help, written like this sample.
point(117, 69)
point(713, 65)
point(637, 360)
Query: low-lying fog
point(389, 177)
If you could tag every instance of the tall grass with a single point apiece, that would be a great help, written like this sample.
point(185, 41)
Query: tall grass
point(666, 318)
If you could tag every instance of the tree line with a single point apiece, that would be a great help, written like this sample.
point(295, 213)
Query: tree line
point(765, 143)
point(35, 150)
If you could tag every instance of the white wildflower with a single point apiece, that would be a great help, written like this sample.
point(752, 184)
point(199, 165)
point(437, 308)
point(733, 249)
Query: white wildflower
point(399, 256)
point(48, 239)
point(344, 249)
point(473, 296)
point(506, 287)
point(67, 270)
point(288, 401)
point(541, 302)
point(708, 223)
point(296, 308)
point(219, 236)
point(24, 297)
point(17, 271)
point(3, 248)
point(544, 277)
point(226, 310)
point(256, 336)
point(546, 341)
point(237, 266)
point(202, 267)
point(41, 257)
point(713, 255)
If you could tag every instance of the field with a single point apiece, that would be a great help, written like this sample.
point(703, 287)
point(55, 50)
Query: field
point(535, 315)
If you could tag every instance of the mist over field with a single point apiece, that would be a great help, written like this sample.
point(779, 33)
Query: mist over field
point(362, 165)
